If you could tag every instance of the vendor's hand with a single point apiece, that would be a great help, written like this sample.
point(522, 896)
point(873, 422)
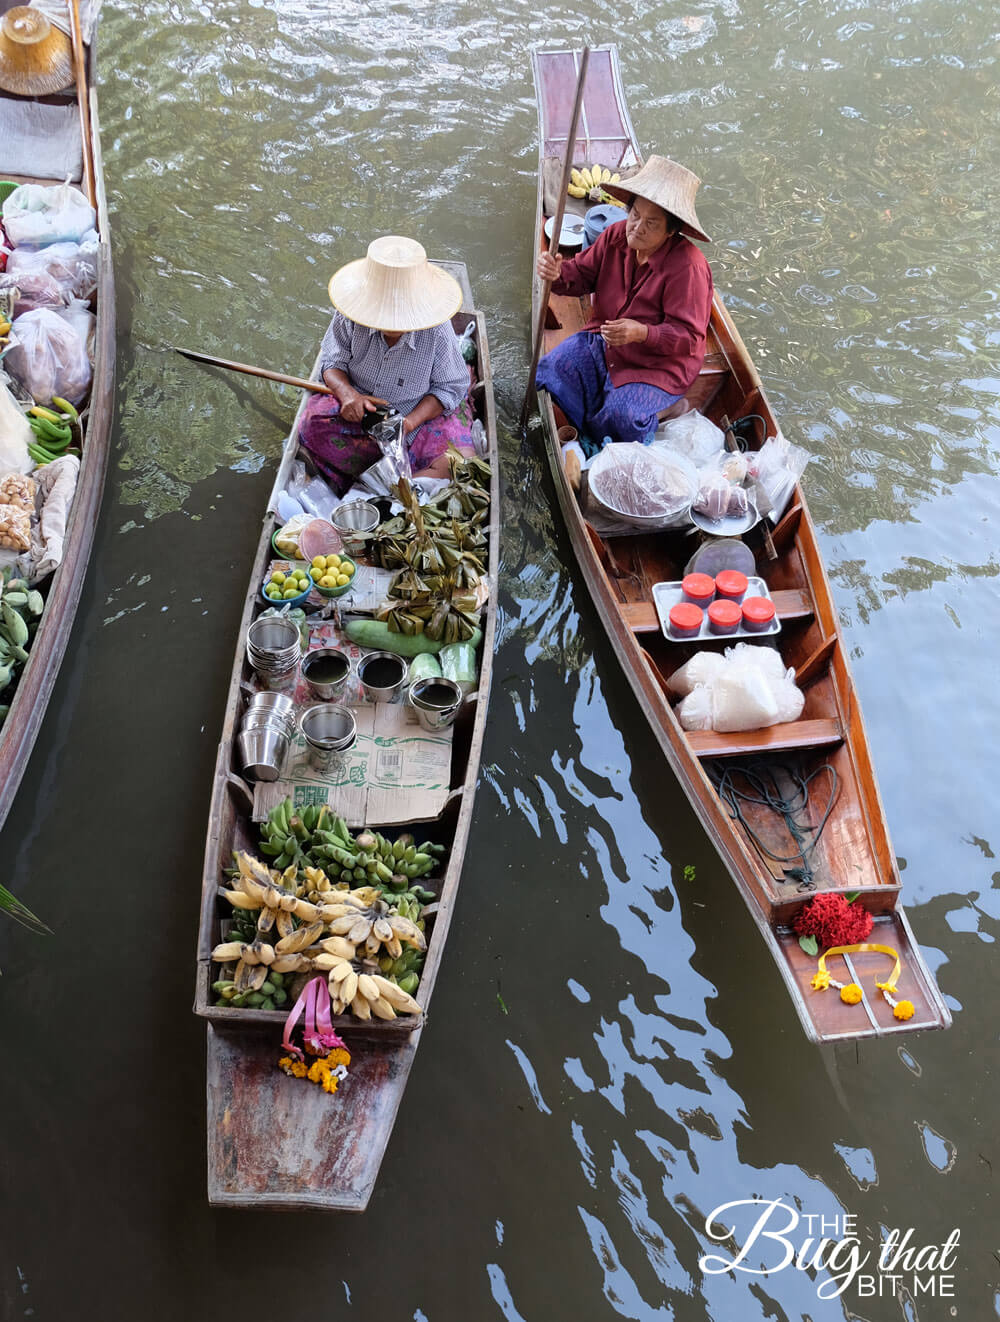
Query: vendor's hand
point(409, 424)
point(548, 266)
point(354, 406)
point(625, 331)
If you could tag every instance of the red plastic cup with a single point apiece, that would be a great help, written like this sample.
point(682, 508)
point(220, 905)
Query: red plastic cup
point(758, 614)
point(731, 585)
point(699, 589)
point(685, 620)
point(724, 616)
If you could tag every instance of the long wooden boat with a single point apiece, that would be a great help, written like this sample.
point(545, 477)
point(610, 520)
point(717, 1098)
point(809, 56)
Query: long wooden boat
point(854, 853)
point(72, 139)
point(272, 1140)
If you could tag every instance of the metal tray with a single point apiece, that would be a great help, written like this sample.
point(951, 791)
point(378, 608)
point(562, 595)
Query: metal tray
point(666, 595)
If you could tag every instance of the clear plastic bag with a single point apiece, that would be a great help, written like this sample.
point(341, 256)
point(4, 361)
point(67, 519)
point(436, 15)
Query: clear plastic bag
point(695, 712)
point(641, 486)
point(467, 343)
point(776, 467)
point(747, 688)
point(31, 290)
point(691, 435)
point(701, 669)
point(72, 266)
point(712, 499)
point(49, 358)
point(35, 215)
point(15, 436)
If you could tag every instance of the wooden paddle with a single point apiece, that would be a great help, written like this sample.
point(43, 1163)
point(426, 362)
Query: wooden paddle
point(82, 100)
point(556, 231)
point(317, 387)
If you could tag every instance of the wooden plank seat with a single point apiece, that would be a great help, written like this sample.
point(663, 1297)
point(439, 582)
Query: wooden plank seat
point(790, 605)
point(824, 733)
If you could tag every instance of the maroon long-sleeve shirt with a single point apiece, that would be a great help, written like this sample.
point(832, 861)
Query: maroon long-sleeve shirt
point(671, 294)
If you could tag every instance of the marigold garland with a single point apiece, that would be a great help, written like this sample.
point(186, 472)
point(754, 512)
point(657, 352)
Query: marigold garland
point(850, 992)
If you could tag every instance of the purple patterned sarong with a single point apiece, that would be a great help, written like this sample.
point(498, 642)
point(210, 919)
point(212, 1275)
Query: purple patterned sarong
point(342, 451)
point(575, 374)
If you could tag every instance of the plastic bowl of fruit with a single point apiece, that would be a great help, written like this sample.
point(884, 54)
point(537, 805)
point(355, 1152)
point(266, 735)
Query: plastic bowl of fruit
point(287, 587)
point(333, 574)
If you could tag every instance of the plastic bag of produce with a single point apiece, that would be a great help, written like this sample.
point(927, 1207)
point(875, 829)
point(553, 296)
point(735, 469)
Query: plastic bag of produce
point(749, 690)
point(712, 499)
point(32, 289)
point(777, 467)
point(458, 662)
point(15, 435)
point(72, 266)
point(35, 215)
point(50, 358)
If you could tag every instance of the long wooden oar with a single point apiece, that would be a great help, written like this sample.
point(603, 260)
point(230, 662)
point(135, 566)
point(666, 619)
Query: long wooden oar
point(556, 231)
point(82, 101)
point(316, 386)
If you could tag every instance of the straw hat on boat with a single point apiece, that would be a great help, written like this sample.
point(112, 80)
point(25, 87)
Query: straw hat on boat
point(667, 185)
point(395, 288)
point(35, 57)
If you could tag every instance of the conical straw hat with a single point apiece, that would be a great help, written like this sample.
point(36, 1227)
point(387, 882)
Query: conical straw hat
point(35, 57)
point(395, 288)
point(669, 186)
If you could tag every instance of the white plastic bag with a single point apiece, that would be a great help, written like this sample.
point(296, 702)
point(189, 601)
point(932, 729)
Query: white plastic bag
point(84, 322)
point(695, 712)
point(35, 215)
point(50, 358)
point(742, 699)
point(15, 435)
point(701, 669)
point(692, 435)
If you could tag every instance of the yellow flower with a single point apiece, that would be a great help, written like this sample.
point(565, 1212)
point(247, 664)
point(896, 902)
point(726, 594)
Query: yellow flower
point(338, 1057)
point(298, 1069)
point(330, 1082)
point(821, 980)
point(903, 1010)
point(317, 1071)
point(851, 994)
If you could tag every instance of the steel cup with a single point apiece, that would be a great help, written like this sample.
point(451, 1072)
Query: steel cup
point(357, 516)
point(384, 690)
point(262, 752)
point(326, 658)
point(330, 732)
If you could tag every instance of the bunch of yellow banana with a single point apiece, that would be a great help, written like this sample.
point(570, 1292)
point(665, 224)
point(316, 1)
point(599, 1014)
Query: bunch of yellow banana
point(357, 985)
point(365, 920)
point(591, 176)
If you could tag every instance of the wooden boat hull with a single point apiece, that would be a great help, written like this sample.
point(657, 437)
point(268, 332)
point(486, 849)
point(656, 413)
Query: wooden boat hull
point(20, 729)
point(273, 1142)
point(856, 852)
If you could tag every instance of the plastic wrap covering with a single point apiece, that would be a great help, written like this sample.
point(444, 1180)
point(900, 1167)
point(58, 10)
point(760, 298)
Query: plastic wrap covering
point(749, 690)
point(642, 487)
point(15, 436)
point(35, 215)
point(72, 266)
point(691, 435)
point(776, 467)
point(49, 358)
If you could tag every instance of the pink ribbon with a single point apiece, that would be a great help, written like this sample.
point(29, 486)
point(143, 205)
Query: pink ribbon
point(313, 1007)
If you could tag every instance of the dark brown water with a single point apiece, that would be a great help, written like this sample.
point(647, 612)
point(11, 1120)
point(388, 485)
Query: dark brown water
point(381, 672)
point(325, 669)
point(611, 1054)
point(436, 695)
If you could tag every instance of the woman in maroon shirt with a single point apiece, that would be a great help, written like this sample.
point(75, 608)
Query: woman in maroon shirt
point(652, 297)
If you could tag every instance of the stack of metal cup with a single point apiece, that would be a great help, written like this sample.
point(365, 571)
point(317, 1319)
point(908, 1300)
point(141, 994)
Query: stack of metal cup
point(264, 735)
point(274, 649)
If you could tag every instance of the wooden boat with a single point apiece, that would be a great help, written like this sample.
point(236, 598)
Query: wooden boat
point(80, 153)
point(853, 853)
point(272, 1140)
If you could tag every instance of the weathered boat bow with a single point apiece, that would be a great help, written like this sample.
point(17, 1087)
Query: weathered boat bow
point(854, 852)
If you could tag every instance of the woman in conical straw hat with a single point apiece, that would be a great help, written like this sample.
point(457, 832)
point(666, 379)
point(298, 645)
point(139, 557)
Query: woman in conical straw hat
point(652, 296)
point(390, 342)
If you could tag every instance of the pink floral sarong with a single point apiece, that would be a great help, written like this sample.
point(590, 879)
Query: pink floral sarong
point(342, 451)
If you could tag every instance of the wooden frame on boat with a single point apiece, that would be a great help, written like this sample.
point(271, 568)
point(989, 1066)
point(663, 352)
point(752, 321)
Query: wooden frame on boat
point(273, 1141)
point(62, 593)
point(854, 853)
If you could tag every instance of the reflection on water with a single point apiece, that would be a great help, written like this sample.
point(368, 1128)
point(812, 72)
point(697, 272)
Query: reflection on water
point(612, 1056)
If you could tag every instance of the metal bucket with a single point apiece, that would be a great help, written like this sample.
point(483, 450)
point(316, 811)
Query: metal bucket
point(330, 733)
point(326, 657)
point(262, 752)
point(379, 691)
point(436, 701)
point(357, 516)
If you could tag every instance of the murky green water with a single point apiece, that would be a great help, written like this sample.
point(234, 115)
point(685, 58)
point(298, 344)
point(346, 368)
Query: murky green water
point(557, 1161)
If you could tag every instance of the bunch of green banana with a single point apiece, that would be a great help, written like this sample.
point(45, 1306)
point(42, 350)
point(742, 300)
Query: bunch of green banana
point(319, 838)
point(405, 970)
point(583, 181)
point(20, 610)
point(55, 433)
point(271, 995)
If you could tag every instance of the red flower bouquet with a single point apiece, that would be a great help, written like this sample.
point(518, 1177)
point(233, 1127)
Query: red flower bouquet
point(833, 921)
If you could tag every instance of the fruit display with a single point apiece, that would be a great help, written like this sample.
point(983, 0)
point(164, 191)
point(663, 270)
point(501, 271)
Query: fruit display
point(319, 838)
point(55, 433)
point(20, 610)
point(332, 571)
point(588, 180)
point(355, 937)
point(285, 585)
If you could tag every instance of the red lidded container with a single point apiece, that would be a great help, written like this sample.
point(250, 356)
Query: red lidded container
point(724, 616)
point(731, 585)
point(685, 620)
point(758, 614)
point(698, 588)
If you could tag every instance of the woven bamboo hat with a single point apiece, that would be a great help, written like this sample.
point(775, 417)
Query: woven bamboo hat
point(35, 57)
point(395, 288)
point(669, 186)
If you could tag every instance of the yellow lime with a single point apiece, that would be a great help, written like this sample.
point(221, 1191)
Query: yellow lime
point(342, 580)
point(277, 577)
point(347, 568)
point(318, 562)
point(329, 580)
point(332, 561)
